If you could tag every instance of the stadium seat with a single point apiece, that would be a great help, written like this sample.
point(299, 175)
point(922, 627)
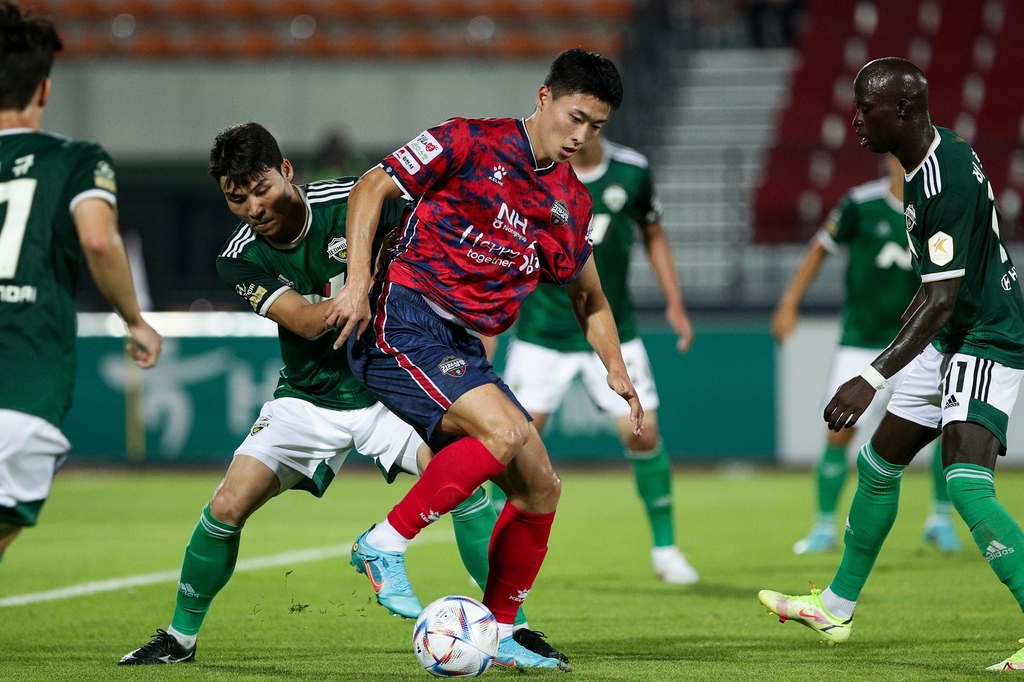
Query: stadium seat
point(151, 44)
point(338, 9)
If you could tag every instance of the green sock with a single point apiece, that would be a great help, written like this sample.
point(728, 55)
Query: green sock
point(872, 514)
point(474, 521)
point(209, 562)
point(997, 535)
point(831, 476)
point(942, 504)
point(497, 495)
point(653, 474)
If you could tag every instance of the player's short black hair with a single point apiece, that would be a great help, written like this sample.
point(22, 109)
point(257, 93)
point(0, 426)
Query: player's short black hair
point(578, 72)
point(244, 152)
point(28, 45)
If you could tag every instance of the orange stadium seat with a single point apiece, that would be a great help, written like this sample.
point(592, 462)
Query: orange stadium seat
point(151, 44)
point(505, 9)
point(414, 44)
point(289, 9)
point(184, 9)
point(446, 9)
point(357, 44)
point(77, 9)
point(255, 44)
point(203, 44)
point(339, 9)
point(393, 10)
point(235, 9)
point(87, 44)
point(558, 9)
point(611, 9)
point(605, 44)
point(519, 44)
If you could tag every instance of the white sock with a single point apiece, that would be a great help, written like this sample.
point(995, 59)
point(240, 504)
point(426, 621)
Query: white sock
point(521, 626)
point(836, 605)
point(187, 641)
point(385, 538)
point(504, 630)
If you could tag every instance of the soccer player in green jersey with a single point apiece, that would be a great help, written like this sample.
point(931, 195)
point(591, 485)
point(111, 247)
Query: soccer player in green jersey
point(550, 350)
point(286, 260)
point(57, 203)
point(964, 342)
point(880, 283)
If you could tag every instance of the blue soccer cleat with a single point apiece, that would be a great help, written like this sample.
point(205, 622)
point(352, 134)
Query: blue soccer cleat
point(939, 531)
point(512, 654)
point(821, 539)
point(386, 571)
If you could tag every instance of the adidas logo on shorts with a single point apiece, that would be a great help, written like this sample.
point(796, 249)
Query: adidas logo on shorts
point(995, 550)
point(952, 402)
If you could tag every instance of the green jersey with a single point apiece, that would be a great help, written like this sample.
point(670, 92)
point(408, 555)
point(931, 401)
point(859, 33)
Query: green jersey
point(953, 224)
point(314, 265)
point(880, 278)
point(43, 177)
point(624, 201)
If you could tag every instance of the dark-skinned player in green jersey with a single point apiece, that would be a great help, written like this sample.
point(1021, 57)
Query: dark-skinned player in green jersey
point(58, 200)
point(964, 343)
point(286, 259)
point(549, 350)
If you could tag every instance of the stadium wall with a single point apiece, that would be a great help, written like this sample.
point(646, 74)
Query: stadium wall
point(172, 111)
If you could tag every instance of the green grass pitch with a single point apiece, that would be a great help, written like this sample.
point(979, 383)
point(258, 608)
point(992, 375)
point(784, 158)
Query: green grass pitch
point(923, 616)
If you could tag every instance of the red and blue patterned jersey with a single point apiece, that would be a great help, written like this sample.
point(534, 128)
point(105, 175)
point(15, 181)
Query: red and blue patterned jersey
point(486, 224)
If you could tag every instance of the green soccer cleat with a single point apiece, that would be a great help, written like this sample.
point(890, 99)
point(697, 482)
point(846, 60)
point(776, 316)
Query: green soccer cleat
point(1015, 662)
point(386, 571)
point(819, 540)
point(939, 531)
point(808, 610)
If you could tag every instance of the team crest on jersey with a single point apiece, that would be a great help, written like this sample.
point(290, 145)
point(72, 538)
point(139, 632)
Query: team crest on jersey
point(337, 249)
point(261, 423)
point(103, 177)
point(453, 366)
point(614, 197)
point(911, 215)
point(559, 213)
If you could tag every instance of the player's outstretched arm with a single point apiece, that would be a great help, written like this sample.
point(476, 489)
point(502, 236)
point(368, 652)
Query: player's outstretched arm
point(595, 318)
point(350, 308)
point(787, 312)
point(855, 395)
point(659, 251)
point(299, 316)
point(107, 259)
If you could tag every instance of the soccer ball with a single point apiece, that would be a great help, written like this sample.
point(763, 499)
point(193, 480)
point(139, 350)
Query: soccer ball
point(455, 637)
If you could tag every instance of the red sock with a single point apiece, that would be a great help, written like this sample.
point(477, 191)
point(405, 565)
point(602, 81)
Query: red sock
point(518, 546)
point(452, 476)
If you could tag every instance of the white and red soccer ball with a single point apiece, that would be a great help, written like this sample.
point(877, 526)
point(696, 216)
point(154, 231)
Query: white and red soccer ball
point(455, 637)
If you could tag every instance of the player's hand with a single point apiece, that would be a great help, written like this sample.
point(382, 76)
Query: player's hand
point(144, 344)
point(619, 382)
point(349, 311)
point(784, 321)
point(849, 403)
point(681, 325)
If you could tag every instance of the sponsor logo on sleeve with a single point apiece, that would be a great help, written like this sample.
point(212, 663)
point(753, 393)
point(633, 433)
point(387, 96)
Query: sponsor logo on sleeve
point(337, 249)
point(252, 293)
point(261, 423)
point(453, 366)
point(559, 213)
point(425, 147)
point(940, 248)
point(911, 215)
point(103, 177)
point(405, 158)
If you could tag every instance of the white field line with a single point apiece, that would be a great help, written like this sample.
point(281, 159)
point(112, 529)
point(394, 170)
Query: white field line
point(301, 556)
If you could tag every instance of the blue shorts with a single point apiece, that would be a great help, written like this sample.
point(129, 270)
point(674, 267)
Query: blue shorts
point(417, 363)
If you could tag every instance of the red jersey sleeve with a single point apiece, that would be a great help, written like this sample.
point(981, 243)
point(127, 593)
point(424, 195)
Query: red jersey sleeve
point(429, 159)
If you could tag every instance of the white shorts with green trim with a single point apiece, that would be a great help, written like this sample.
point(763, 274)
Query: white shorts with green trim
point(306, 445)
point(31, 451)
point(941, 388)
point(540, 377)
point(850, 361)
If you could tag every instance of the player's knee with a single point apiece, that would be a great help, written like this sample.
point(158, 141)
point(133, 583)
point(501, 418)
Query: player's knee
point(507, 440)
point(646, 442)
point(227, 506)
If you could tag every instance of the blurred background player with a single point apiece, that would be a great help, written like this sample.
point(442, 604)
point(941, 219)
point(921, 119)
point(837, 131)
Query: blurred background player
point(496, 210)
point(550, 349)
point(964, 344)
point(286, 260)
point(880, 284)
point(57, 202)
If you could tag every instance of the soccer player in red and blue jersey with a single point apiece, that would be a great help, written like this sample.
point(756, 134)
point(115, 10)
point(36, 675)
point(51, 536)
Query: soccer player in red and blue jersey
point(495, 210)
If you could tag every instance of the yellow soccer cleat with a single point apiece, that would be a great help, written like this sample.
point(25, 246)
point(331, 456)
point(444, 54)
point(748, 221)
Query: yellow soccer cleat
point(808, 610)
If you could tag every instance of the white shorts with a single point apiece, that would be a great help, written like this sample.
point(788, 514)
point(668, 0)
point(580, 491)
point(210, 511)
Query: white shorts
point(540, 377)
point(306, 445)
point(31, 451)
point(941, 388)
point(850, 361)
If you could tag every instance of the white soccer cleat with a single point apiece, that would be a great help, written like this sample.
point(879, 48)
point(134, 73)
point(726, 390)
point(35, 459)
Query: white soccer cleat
point(1015, 662)
point(672, 567)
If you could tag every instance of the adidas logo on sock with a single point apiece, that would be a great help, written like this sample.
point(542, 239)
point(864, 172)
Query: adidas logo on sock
point(187, 590)
point(952, 402)
point(996, 550)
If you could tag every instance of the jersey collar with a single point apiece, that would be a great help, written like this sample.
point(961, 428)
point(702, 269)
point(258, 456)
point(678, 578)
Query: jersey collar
point(17, 131)
point(529, 149)
point(305, 228)
point(931, 150)
point(600, 169)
